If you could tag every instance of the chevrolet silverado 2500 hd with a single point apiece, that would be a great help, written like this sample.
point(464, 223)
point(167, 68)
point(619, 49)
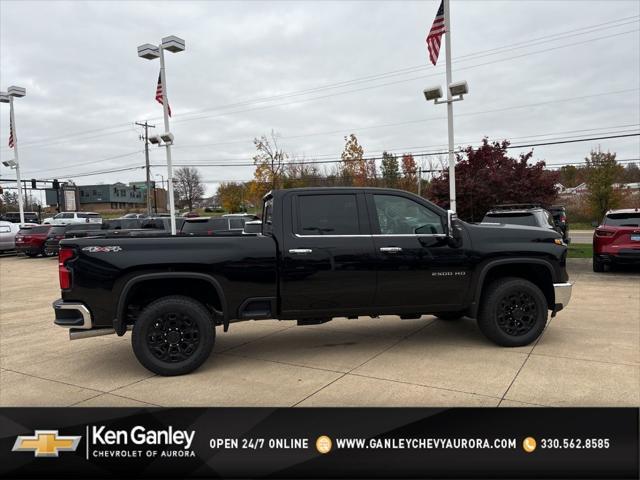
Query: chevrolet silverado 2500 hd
point(322, 253)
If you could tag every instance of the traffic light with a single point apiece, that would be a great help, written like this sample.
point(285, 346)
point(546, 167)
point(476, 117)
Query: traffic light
point(56, 184)
point(33, 183)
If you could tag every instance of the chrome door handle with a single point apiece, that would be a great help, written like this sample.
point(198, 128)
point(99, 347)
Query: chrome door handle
point(391, 249)
point(300, 251)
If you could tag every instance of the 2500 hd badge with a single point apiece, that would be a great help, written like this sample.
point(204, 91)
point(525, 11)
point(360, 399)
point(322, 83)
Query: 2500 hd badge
point(322, 253)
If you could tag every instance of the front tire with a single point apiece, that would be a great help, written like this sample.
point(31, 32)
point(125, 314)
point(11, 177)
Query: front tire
point(173, 335)
point(513, 312)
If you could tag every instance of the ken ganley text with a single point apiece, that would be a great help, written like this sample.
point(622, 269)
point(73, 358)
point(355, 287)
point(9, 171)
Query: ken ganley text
point(169, 442)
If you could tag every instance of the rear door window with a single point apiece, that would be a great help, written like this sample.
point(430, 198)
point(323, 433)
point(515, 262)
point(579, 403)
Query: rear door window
point(328, 215)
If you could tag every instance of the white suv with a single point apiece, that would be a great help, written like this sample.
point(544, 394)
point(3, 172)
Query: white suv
point(65, 218)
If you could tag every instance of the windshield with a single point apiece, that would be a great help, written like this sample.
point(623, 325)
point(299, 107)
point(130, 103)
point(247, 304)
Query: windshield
point(623, 219)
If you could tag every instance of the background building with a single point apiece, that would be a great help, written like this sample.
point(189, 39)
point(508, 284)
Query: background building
point(110, 197)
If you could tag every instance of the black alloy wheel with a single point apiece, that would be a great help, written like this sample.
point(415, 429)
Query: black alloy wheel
point(513, 312)
point(173, 335)
point(517, 313)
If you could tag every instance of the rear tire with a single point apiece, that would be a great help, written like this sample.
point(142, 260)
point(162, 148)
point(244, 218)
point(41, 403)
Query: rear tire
point(513, 312)
point(31, 254)
point(598, 266)
point(173, 335)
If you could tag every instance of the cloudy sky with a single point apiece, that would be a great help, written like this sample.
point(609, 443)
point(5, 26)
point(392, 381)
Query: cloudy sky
point(312, 72)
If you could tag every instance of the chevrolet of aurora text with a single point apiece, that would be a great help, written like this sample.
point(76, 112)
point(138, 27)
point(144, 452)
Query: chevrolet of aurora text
point(321, 253)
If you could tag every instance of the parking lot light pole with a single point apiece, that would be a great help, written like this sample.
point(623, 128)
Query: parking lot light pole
point(150, 52)
point(458, 90)
point(7, 97)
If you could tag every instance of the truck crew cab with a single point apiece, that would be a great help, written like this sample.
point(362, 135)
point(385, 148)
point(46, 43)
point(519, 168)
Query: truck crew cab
point(322, 253)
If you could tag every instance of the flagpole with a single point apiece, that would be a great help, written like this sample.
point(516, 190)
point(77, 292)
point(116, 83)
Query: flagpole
point(452, 161)
point(165, 108)
point(17, 159)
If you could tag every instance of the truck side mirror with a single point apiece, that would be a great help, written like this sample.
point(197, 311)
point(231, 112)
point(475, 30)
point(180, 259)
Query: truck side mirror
point(454, 236)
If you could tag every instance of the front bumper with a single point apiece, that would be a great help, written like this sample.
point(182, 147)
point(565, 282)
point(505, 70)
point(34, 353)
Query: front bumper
point(562, 295)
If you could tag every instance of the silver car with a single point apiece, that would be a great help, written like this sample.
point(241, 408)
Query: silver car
point(8, 232)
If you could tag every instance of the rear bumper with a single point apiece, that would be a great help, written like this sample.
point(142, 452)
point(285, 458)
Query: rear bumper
point(72, 315)
point(27, 249)
point(77, 318)
point(562, 294)
point(622, 256)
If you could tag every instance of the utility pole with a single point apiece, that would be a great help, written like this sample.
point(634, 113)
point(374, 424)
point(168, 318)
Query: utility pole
point(146, 159)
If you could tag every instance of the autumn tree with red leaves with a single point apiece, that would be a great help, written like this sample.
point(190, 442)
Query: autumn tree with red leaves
point(488, 177)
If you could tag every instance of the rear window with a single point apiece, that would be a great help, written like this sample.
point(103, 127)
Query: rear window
point(623, 219)
point(5, 229)
point(83, 226)
point(526, 219)
point(328, 215)
point(204, 226)
point(57, 230)
point(35, 230)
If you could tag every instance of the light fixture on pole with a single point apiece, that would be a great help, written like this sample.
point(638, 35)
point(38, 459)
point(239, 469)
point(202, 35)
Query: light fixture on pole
point(150, 52)
point(7, 97)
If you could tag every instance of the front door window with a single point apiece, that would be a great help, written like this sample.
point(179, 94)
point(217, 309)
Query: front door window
point(402, 216)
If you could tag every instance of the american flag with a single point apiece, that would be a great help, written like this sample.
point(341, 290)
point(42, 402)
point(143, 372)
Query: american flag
point(160, 93)
point(11, 142)
point(434, 37)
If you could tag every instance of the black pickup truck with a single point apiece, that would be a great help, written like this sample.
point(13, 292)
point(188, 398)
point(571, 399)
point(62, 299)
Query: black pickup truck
point(323, 253)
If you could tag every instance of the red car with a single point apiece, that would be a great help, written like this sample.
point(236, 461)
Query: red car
point(30, 240)
point(616, 240)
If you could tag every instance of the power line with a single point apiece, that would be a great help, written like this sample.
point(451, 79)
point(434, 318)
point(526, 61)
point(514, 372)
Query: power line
point(415, 154)
point(87, 163)
point(428, 119)
point(479, 54)
point(333, 158)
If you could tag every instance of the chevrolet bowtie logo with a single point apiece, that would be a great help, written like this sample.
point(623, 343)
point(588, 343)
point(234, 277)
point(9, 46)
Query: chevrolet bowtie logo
point(45, 443)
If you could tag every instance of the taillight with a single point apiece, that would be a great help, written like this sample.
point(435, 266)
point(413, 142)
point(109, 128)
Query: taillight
point(63, 272)
point(604, 233)
point(563, 218)
point(59, 237)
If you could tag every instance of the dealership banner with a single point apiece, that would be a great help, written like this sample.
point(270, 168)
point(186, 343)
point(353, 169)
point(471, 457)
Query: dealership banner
point(319, 442)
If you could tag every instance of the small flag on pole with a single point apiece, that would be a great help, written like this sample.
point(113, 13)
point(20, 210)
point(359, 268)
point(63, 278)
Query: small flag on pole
point(11, 140)
point(434, 38)
point(160, 93)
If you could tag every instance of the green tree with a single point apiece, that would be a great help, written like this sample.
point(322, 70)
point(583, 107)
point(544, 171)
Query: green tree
point(602, 172)
point(390, 169)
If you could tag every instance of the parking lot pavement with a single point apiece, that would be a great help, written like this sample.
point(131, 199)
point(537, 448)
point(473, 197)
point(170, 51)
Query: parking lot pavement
point(589, 355)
